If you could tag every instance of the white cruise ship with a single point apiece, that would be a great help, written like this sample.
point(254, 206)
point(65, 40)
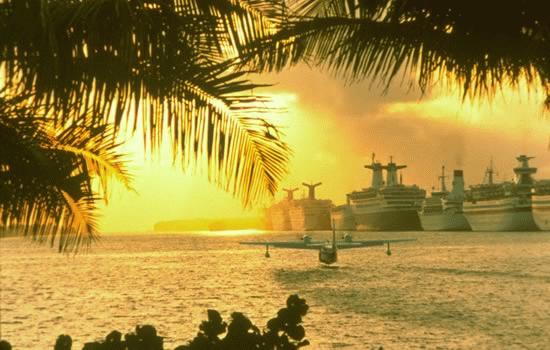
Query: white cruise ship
point(276, 216)
point(386, 206)
point(541, 204)
point(306, 214)
point(502, 206)
point(343, 218)
point(310, 214)
point(443, 210)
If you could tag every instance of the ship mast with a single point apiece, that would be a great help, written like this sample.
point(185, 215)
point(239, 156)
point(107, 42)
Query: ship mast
point(377, 176)
point(458, 185)
point(523, 171)
point(391, 175)
point(442, 179)
point(489, 173)
point(290, 193)
point(311, 189)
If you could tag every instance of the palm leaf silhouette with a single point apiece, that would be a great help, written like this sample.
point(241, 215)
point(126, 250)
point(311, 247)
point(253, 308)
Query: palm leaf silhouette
point(46, 175)
point(158, 66)
point(481, 46)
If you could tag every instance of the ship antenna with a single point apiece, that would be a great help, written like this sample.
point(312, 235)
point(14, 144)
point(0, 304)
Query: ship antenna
point(442, 178)
point(333, 235)
point(491, 171)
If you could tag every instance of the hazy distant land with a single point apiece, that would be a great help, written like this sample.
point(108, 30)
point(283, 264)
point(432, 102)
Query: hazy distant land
point(210, 224)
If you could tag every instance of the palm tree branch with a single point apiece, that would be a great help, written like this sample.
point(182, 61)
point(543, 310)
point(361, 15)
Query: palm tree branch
point(80, 225)
point(360, 48)
point(242, 156)
point(104, 166)
point(132, 63)
point(45, 191)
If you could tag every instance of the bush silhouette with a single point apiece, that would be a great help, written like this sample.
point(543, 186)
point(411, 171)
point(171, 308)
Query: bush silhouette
point(283, 332)
point(144, 338)
point(63, 342)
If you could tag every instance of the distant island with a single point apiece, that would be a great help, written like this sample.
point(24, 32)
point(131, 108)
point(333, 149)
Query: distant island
point(210, 224)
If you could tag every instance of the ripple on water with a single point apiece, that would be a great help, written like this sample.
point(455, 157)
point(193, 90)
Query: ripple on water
point(448, 291)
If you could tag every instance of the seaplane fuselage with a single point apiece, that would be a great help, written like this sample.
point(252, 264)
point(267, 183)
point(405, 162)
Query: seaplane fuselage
point(328, 255)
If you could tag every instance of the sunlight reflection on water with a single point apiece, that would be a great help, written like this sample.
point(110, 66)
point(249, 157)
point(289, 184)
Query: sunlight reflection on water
point(447, 290)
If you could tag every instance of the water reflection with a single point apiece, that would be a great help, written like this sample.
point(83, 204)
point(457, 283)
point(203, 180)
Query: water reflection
point(445, 290)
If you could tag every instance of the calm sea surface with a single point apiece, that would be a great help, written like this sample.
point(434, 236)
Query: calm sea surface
point(445, 291)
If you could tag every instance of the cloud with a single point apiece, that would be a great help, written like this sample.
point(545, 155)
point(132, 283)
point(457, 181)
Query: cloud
point(348, 123)
point(324, 92)
point(333, 129)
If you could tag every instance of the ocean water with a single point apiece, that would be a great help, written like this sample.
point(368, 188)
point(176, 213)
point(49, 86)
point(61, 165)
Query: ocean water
point(444, 291)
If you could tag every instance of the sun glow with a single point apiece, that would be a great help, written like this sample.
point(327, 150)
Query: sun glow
point(333, 129)
point(231, 233)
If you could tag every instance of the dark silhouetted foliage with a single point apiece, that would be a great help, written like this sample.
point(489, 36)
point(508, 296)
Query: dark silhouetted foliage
point(165, 67)
point(144, 338)
point(482, 46)
point(283, 332)
point(63, 342)
point(47, 174)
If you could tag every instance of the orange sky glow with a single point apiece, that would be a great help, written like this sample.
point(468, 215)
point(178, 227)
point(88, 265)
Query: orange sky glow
point(333, 129)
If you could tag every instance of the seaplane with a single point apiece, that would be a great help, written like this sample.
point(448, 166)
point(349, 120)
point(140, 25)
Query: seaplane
point(328, 251)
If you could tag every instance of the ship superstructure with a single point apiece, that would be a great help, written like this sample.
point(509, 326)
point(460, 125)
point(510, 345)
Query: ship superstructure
point(343, 218)
point(389, 205)
point(541, 204)
point(310, 213)
point(442, 211)
point(504, 206)
point(305, 214)
point(276, 216)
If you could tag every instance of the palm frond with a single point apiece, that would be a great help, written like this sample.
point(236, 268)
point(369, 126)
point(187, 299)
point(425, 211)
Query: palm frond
point(241, 21)
point(79, 223)
point(96, 147)
point(46, 179)
point(243, 153)
point(161, 65)
point(481, 46)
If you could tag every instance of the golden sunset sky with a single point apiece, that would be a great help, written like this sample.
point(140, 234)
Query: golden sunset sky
point(333, 128)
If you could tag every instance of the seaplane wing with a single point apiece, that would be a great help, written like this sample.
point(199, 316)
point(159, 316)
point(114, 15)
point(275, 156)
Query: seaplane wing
point(316, 245)
point(327, 249)
point(369, 243)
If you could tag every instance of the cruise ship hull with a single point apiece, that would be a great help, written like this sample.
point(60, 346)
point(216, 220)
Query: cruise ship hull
point(391, 220)
point(343, 218)
point(444, 221)
point(280, 220)
point(310, 215)
point(541, 211)
point(302, 220)
point(513, 219)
